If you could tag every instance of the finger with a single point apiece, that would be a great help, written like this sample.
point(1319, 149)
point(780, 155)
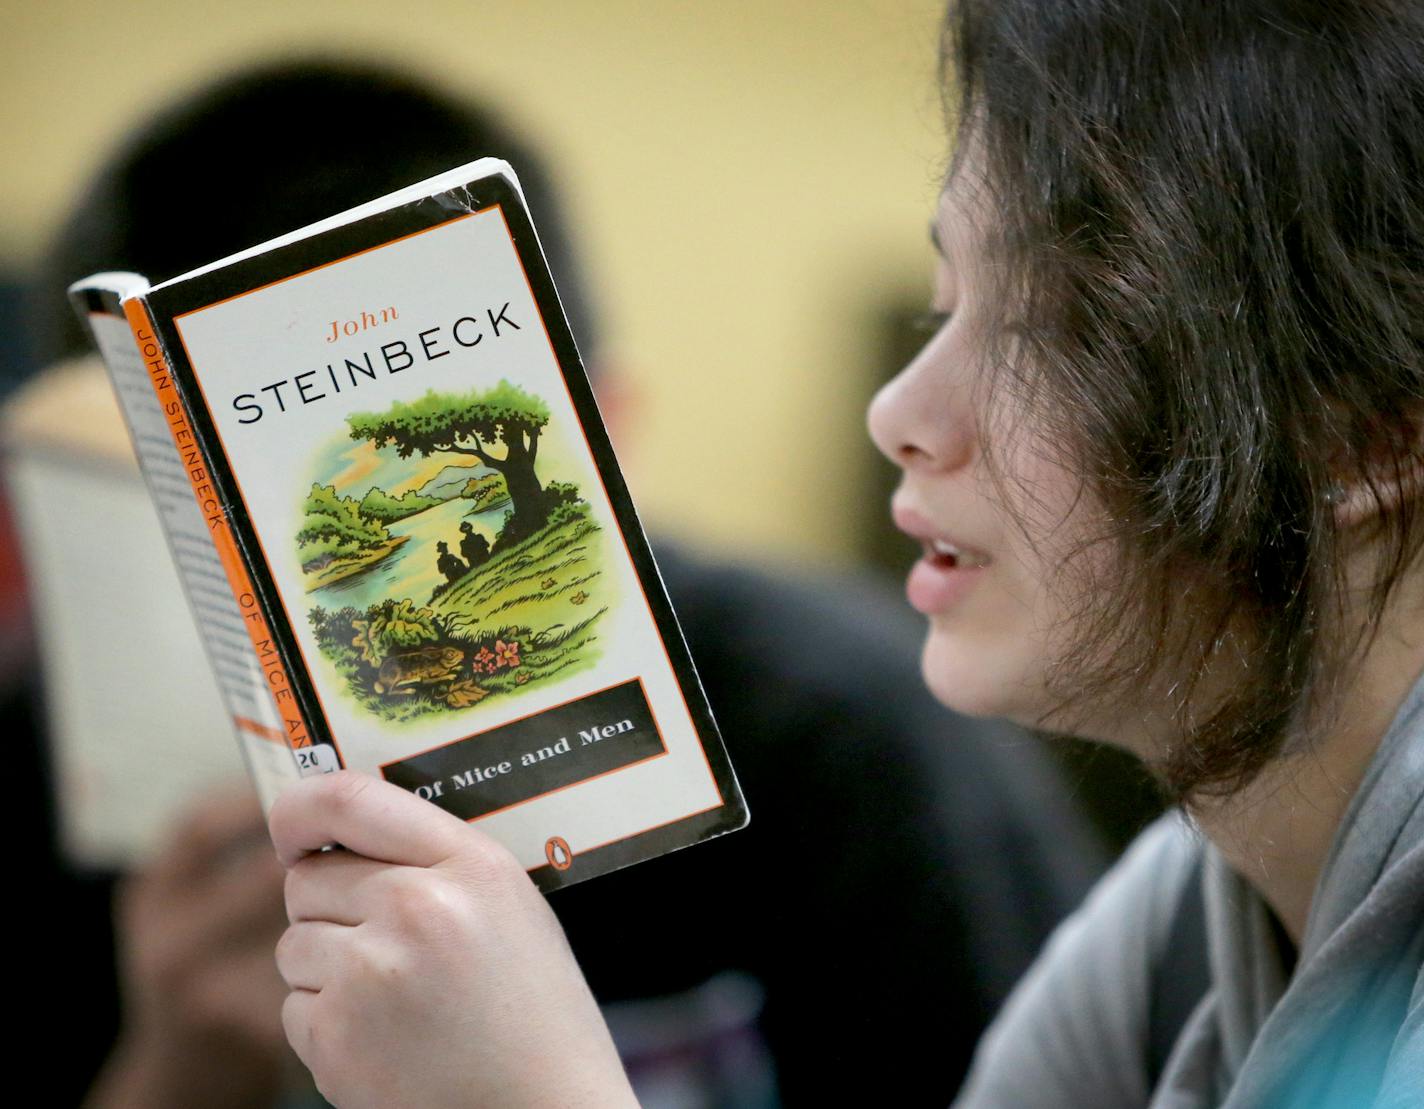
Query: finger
point(248, 894)
point(247, 908)
point(333, 885)
point(364, 815)
point(207, 919)
point(244, 995)
point(299, 1022)
point(224, 822)
point(309, 952)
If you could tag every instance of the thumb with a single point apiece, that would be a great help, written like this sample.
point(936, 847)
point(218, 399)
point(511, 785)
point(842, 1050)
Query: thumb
point(363, 814)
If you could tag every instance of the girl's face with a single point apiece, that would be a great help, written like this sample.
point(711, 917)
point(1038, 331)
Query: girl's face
point(1005, 574)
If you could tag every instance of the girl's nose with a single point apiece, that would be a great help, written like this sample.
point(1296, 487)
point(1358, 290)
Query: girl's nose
point(922, 419)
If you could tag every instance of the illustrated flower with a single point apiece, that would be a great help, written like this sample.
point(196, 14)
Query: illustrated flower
point(579, 597)
point(485, 661)
point(548, 583)
point(521, 677)
point(506, 653)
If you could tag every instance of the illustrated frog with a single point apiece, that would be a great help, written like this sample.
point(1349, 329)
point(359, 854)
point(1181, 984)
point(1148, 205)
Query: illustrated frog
point(401, 674)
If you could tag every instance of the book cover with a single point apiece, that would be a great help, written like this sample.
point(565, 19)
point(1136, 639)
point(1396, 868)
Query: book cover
point(396, 452)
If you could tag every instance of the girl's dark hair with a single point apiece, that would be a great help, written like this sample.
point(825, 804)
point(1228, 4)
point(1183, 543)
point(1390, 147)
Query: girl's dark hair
point(1212, 222)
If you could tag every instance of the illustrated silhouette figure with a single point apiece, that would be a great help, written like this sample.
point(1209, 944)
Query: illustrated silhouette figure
point(448, 564)
point(474, 547)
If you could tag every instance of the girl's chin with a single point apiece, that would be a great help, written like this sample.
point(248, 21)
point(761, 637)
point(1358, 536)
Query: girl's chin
point(972, 682)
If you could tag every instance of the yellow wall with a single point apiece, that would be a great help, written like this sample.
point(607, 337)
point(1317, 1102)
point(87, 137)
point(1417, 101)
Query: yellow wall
point(747, 175)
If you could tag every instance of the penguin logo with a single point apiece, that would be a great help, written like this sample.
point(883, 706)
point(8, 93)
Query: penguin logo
point(556, 850)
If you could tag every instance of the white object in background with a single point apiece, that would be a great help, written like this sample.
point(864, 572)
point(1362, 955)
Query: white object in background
point(136, 725)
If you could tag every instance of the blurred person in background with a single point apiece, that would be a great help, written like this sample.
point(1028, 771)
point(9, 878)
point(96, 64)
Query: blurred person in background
point(903, 865)
point(1165, 456)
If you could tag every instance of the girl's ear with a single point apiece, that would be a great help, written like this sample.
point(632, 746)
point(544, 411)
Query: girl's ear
point(1393, 474)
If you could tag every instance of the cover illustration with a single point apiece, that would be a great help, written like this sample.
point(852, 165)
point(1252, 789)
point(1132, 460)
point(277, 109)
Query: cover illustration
point(444, 562)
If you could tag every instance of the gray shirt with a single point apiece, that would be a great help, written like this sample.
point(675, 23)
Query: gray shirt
point(1346, 1028)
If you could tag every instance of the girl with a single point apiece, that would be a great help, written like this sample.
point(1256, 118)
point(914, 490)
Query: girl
point(1164, 457)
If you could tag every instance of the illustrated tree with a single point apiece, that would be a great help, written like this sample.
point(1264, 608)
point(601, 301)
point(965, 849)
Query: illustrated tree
point(503, 419)
point(325, 515)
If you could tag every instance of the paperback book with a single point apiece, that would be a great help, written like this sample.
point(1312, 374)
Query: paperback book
point(403, 533)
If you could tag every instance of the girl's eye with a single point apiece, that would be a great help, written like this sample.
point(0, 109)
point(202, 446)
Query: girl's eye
point(929, 322)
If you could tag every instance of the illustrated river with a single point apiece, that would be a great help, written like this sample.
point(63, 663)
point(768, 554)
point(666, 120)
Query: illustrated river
point(410, 570)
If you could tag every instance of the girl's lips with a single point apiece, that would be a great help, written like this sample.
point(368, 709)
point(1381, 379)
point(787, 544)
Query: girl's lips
point(946, 571)
point(936, 584)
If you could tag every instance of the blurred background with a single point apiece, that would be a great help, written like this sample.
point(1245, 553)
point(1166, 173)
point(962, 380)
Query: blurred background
point(750, 185)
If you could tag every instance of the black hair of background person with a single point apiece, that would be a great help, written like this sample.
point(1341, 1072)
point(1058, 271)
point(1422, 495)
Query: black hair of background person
point(903, 865)
point(267, 151)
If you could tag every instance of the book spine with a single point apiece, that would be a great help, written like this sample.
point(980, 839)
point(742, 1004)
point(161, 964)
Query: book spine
point(250, 707)
point(310, 757)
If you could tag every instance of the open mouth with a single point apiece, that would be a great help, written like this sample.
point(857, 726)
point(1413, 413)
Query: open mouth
point(946, 556)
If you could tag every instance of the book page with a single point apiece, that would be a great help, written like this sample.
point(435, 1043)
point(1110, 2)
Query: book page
point(133, 732)
point(418, 191)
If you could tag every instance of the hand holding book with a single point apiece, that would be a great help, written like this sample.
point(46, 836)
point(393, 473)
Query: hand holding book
point(425, 967)
point(528, 701)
